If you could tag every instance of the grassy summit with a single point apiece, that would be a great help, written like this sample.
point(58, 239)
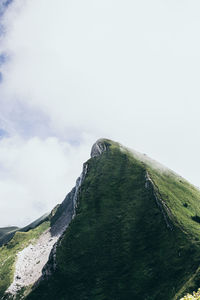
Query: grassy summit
point(135, 234)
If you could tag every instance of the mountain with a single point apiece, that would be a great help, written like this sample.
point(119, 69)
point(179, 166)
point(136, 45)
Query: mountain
point(6, 232)
point(128, 230)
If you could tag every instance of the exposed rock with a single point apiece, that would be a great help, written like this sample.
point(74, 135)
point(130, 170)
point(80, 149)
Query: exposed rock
point(98, 148)
point(30, 262)
point(79, 181)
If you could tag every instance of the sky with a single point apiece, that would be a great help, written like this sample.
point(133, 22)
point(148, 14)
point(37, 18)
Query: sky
point(73, 71)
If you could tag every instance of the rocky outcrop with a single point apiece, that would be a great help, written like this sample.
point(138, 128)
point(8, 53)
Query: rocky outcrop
point(99, 147)
point(79, 182)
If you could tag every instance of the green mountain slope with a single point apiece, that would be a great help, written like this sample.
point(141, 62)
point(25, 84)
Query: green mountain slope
point(7, 233)
point(8, 253)
point(24, 252)
point(13, 240)
point(135, 234)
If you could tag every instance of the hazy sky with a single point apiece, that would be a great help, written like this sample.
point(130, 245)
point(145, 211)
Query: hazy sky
point(73, 71)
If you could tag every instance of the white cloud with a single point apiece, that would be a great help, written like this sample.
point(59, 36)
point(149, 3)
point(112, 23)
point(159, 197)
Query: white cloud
point(127, 70)
point(35, 175)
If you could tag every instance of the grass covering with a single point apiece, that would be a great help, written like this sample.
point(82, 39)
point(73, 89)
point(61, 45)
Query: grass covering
point(182, 198)
point(8, 253)
point(118, 246)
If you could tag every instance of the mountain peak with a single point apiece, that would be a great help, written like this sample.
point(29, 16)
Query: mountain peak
point(100, 146)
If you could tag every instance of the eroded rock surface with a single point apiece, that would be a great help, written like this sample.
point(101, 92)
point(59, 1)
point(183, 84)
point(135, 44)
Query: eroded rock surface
point(98, 148)
point(31, 260)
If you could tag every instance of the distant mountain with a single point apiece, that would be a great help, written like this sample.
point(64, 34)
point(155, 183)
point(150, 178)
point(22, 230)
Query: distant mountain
point(5, 232)
point(128, 230)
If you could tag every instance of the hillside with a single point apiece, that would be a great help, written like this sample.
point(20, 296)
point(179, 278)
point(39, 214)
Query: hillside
point(133, 233)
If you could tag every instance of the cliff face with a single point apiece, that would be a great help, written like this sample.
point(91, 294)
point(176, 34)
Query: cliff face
point(128, 230)
point(99, 147)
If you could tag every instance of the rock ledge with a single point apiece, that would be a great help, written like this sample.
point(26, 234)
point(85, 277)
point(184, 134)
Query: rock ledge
point(99, 147)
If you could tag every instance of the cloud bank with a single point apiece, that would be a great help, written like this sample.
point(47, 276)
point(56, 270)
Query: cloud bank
point(79, 70)
point(35, 175)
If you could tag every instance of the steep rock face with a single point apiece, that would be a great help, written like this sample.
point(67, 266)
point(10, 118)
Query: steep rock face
point(132, 233)
point(99, 147)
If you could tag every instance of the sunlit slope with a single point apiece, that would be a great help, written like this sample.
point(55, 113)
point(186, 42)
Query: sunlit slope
point(6, 233)
point(12, 241)
point(134, 236)
point(8, 253)
point(25, 254)
point(181, 198)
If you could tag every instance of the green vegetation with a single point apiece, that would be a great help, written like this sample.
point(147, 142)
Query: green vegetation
point(8, 253)
point(7, 233)
point(176, 192)
point(118, 247)
point(194, 296)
